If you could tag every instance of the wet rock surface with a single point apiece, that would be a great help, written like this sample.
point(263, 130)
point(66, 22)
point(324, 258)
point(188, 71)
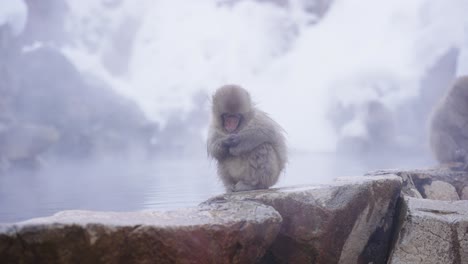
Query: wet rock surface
point(439, 190)
point(416, 182)
point(464, 193)
point(353, 220)
point(431, 232)
point(347, 222)
point(222, 232)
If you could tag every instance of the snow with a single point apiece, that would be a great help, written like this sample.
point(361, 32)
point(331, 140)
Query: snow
point(14, 13)
point(293, 69)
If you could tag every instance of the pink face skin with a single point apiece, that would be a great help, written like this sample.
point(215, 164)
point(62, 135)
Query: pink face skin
point(231, 122)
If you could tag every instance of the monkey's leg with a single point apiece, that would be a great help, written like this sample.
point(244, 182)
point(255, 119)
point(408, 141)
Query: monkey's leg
point(265, 167)
point(446, 148)
point(228, 185)
point(227, 180)
point(460, 157)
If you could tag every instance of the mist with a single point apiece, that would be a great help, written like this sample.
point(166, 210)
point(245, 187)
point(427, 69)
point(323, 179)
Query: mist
point(104, 105)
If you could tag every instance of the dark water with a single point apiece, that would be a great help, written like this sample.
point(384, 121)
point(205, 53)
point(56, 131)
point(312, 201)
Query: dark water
point(127, 185)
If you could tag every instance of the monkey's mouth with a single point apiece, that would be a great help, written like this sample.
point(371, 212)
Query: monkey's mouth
point(231, 122)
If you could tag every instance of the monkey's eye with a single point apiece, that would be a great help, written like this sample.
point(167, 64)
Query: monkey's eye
point(228, 115)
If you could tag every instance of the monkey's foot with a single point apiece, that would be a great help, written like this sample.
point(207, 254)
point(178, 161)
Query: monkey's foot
point(229, 188)
point(464, 166)
point(456, 166)
point(460, 155)
point(241, 187)
point(460, 162)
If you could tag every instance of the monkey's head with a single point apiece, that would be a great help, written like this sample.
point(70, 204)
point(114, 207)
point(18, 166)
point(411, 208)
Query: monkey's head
point(232, 108)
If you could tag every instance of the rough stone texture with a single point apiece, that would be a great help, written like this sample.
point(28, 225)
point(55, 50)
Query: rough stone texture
point(228, 232)
point(439, 190)
point(349, 221)
point(432, 232)
point(417, 178)
point(464, 193)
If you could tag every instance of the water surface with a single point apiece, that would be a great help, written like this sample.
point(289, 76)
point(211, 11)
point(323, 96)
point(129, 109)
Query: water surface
point(123, 185)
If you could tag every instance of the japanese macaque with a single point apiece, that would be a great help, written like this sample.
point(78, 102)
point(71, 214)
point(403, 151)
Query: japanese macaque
point(449, 125)
point(248, 145)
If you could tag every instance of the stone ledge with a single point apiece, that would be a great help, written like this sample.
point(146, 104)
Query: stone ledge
point(415, 181)
point(231, 232)
point(431, 231)
point(349, 221)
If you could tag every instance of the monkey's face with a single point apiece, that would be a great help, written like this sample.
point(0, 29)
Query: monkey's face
point(231, 122)
point(231, 107)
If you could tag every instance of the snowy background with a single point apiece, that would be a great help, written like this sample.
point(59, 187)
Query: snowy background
point(351, 81)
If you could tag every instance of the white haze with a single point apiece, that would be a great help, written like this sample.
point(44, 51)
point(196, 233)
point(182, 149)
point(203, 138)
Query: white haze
point(162, 53)
point(290, 67)
point(14, 13)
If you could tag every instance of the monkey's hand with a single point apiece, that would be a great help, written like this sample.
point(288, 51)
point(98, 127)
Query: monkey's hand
point(217, 148)
point(231, 141)
point(243, 145)
point(236, 150)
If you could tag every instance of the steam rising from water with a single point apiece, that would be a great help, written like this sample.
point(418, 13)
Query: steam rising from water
point(293, 68)
point(312, 74)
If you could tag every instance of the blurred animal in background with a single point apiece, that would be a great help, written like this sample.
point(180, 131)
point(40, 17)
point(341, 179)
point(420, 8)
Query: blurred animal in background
point(21, 145)
point(248, 145)
point(369, 131)
point(382, 126)
point(449, 125)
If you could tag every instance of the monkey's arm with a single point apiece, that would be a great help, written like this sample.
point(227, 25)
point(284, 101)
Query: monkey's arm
point(216, 146)
point(252, 137)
